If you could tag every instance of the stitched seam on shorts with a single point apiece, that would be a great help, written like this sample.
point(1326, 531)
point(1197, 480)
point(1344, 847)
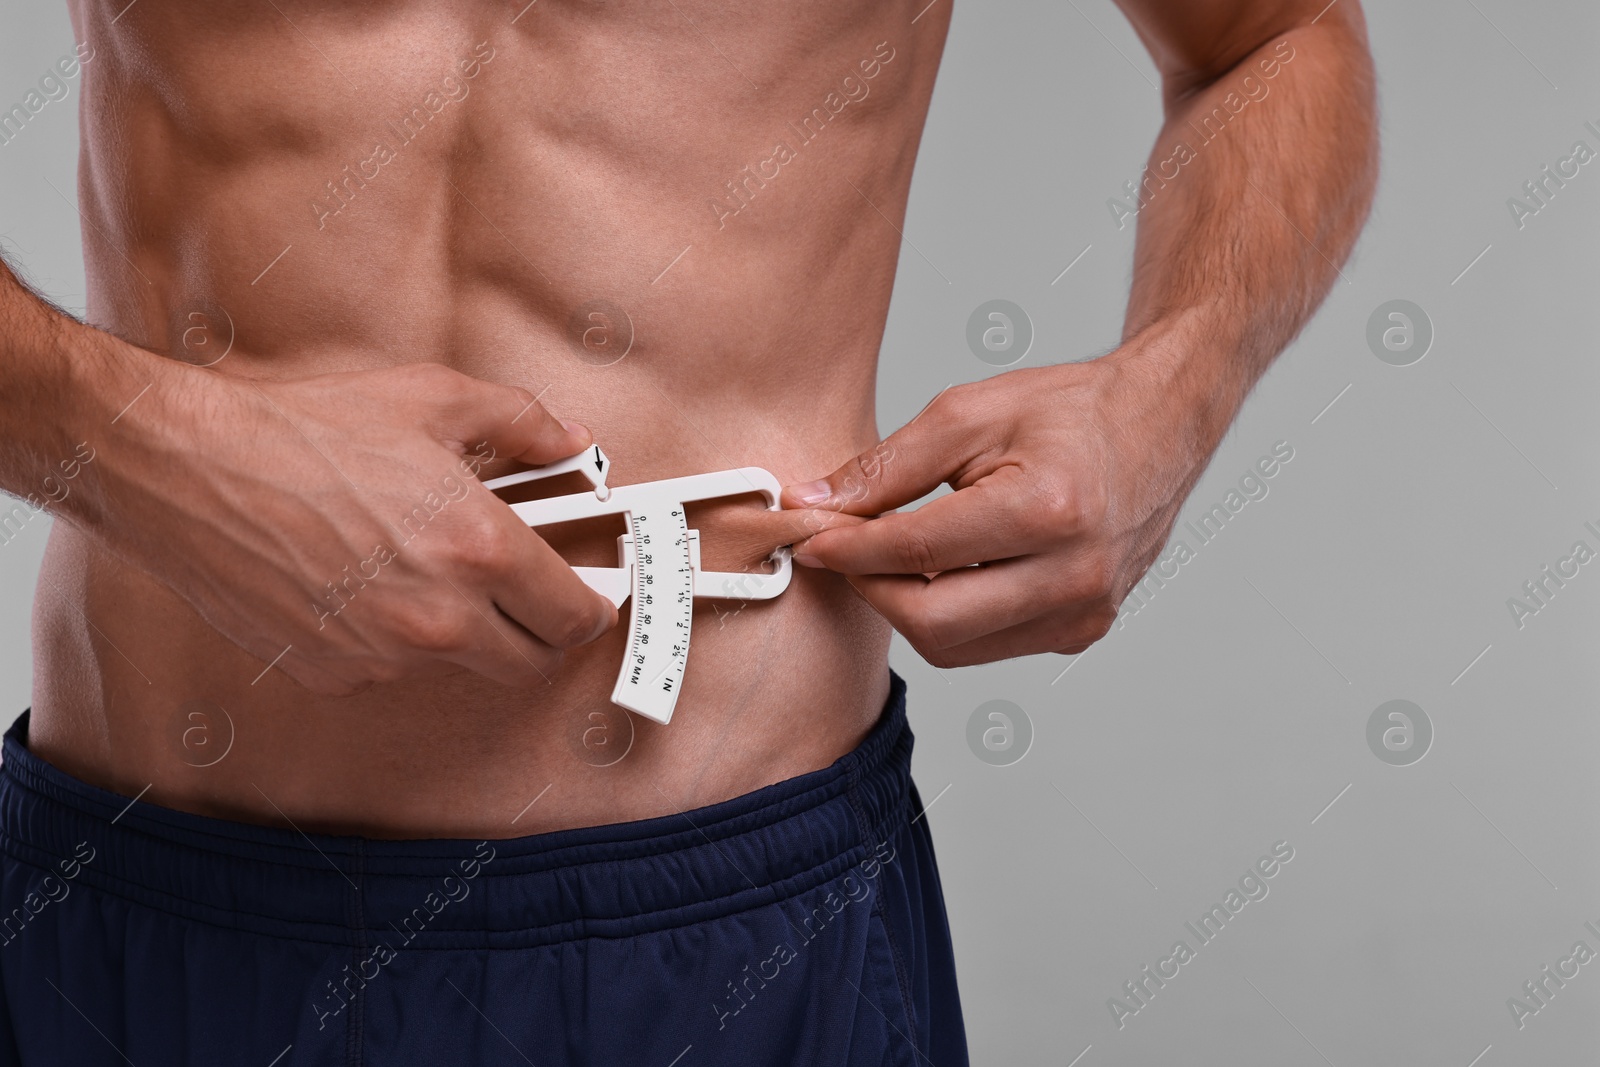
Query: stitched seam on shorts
point(902, 977)
point(906, 1014)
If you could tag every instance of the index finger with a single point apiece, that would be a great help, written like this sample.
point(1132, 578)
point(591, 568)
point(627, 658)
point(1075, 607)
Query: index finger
point(508, 418)
point(742, 537)
point(981, 523)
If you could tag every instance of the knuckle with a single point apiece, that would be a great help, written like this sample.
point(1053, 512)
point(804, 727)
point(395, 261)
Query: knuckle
point(1094, 583)
point(912, 550)
point(1060, 510)
point(957, 402)
point(1099, 623)
point(872, 463)
point(525, 405)
point(483, 545)
point(940, 658)
point(1084, 629)
point(429, 631)
point(579, 627)
point(855, 484)
point(923, 633)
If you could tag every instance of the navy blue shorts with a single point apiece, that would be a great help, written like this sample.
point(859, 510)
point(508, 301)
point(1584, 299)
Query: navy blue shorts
point(799, 924)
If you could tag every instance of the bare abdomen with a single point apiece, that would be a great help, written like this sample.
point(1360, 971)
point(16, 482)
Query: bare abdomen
point(314, 209)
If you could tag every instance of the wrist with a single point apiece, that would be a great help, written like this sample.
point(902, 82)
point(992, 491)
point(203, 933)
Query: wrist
point(125, 406)
point(51, 399)
point(1194, 369)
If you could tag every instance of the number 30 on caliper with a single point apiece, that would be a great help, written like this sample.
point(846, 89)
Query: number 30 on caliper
point(658, 564)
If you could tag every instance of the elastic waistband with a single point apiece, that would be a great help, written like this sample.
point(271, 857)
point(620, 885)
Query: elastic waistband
point(617, 880)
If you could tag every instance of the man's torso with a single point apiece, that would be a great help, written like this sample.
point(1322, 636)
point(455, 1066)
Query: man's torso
point(521, 193)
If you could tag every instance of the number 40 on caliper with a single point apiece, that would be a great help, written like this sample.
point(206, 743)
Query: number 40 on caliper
point(658, 564)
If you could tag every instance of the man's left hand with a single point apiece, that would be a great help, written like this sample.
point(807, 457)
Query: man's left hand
point(1067, 481)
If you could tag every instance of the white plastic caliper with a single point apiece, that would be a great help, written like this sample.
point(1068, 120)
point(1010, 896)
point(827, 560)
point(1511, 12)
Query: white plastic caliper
point(658, 564)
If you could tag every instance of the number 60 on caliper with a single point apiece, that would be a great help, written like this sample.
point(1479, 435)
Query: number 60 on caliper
point(658, 564)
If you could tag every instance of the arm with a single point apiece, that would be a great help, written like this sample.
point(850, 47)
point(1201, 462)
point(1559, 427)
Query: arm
point(1235, 253)
point(1069, 478)
point(248, 498)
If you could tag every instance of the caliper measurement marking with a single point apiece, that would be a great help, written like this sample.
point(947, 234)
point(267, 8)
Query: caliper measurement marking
point(663, 604)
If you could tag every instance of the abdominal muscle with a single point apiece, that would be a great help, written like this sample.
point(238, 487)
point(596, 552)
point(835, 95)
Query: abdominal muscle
point(488, 241)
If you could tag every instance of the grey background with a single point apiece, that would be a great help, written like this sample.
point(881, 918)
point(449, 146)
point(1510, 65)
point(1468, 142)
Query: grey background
point(1227, 715)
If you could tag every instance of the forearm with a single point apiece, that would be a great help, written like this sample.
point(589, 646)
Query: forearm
point(1256, 190)
point(63, 387)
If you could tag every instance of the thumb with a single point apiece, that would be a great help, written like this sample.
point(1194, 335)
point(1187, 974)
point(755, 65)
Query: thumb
point(907, 465)
point(511, 421)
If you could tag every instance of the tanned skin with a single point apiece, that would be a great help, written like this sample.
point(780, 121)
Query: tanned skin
point(573, 156)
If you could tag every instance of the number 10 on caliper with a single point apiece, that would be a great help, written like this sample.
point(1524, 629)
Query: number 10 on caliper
point(658, 564)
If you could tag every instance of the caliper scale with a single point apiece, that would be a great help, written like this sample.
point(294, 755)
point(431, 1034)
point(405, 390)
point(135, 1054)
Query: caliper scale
point(658, 564)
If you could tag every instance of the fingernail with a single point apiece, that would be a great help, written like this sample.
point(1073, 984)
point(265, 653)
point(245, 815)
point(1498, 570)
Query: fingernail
point(807, 560)
point(576, 429)
point(812, 492)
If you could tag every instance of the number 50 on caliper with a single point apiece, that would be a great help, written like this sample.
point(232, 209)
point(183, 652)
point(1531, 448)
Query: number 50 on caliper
point(658, 564)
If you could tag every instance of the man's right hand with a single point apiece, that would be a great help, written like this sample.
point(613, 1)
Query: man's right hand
point(334, 526)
